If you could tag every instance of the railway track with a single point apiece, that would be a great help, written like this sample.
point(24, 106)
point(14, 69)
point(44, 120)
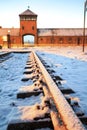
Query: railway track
point(56, 110)
point(5, 56)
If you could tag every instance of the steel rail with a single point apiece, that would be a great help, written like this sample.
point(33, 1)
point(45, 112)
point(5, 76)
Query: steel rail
point(69, 117)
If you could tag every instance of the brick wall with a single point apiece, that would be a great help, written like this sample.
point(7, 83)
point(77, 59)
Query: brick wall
point(16, 41)
point(60, 40)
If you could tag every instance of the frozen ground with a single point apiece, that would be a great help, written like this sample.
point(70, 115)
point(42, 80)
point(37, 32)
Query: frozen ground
point(11, 73)
point(11, 108)
point(68, 62)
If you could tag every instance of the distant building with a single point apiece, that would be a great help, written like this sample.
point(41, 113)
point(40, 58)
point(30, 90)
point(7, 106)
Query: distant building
point(29, 35)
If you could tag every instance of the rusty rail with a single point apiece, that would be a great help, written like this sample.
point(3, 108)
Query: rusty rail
point(69, 117)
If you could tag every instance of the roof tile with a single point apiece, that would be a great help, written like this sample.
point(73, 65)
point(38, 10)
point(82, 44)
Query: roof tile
point(28, 12)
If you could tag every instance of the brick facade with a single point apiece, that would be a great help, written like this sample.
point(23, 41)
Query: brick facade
point(42, 37)
point(60, 40)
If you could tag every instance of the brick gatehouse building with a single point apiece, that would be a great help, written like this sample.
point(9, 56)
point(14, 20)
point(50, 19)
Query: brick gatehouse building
point(15, 37)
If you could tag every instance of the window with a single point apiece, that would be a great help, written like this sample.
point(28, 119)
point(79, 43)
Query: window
point(32, 27)
point(60, 40)
point(22, 27)
point(78, 40)
point(69, 40)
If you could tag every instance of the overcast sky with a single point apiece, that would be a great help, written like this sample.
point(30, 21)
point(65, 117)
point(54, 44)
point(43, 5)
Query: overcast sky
point(51, 13)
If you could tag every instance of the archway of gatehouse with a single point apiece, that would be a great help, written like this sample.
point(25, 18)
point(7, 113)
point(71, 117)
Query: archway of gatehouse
point(28, 40)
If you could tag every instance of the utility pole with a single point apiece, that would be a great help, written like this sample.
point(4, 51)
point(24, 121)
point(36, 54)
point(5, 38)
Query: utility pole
point(85, 8)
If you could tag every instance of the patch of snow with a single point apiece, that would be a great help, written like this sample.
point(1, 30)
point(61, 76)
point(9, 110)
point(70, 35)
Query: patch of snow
point(31, 112)
point(73, 68)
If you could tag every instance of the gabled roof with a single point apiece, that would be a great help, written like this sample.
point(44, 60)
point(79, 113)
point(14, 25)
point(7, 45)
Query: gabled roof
point(11, 31)
point(28, 13)
point(47, 31)
point(61, 32)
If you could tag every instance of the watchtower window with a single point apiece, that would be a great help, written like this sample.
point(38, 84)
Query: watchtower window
point(22, 27)
point(32, 27)
point(27, 18)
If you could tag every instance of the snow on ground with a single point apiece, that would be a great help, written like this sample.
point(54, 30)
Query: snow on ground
point(11, 73)
point(75, 52)
point(70, 63)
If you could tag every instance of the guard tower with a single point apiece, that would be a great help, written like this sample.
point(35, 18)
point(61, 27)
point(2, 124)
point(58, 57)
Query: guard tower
point(28, 25)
